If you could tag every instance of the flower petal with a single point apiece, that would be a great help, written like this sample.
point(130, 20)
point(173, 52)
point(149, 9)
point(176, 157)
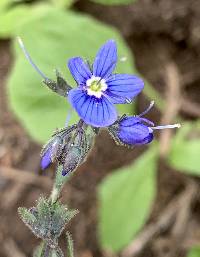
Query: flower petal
point(135, 135)
point(130, 121)
point(46, 159)
point(98, 112)
point(79, 70)
point(105, 60)
point(122, 88)
point(148, 139)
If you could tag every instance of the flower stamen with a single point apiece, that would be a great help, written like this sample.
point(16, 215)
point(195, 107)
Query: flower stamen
point(177, 125)
point(95, 86)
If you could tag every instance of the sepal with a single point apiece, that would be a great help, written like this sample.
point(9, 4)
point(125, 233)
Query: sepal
point(60, 86)
point(77, 152)
point(53, 150)
point(68, 147)
point(114, 132)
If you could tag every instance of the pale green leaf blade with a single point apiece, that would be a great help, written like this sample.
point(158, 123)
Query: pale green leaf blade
point(125, 201)
point(185, 150)
point(195, 252)
point(3, 4)
point(128, 109)
point(114, 2)
point(62, 3)
point(51, 39)
point(14, 17)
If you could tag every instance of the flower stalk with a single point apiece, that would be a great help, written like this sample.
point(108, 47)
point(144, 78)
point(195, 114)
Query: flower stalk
point(58, 185)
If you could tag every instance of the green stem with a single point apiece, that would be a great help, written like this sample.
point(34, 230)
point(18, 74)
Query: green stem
point(59, 182)
point(55, 193)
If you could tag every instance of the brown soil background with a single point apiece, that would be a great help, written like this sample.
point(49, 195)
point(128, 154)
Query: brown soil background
point(158, 32)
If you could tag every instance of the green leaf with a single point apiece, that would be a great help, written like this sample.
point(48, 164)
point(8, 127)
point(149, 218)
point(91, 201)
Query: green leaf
point(195, 252)
point(153, 94)
point(3, 5)
point(128, 109)
point(51, 39)
point(114, 2)
point(125, 201)
point(62, 3)
point(47, 220)
point(14, 17)
point(184, 153)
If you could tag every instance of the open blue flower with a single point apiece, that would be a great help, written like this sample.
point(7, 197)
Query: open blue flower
point(136, 130)
point(98, 89)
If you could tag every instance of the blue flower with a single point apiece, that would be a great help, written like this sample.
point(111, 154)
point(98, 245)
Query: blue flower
point(136, 130)
point(98, 89)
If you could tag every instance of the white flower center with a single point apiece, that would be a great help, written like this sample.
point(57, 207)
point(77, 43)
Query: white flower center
point(96, 86)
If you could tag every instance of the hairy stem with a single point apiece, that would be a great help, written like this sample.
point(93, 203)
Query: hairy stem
point(59, 182)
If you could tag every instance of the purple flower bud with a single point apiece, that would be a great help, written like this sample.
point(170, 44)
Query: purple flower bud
point(68, 147)
point(72, 160)
point(135, 130)
point(46, 159)
point(50, 152)
point(77, 152)
point(54, 148)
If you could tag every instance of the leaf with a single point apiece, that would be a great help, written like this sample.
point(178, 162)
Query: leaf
point(126, 198)
point(194, 252)
point(14, 17)
point(114, 2)
point(26, 215)
point(62, 3)
point(153, 94)
point(128, 109)
point(47, 220)
point(3, 5)
point(51, 39)
point(184, 153)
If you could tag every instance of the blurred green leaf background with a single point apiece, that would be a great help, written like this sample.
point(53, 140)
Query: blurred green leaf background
point(53, 33)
